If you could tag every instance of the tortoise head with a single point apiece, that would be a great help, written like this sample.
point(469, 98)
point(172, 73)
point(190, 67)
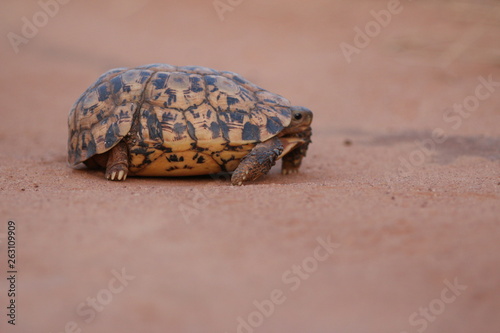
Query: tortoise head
point(300, 126)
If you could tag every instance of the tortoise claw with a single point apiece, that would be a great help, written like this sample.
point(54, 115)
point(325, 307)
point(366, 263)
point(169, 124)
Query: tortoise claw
point(117, 172)
point(117, 165)
point(289, 171)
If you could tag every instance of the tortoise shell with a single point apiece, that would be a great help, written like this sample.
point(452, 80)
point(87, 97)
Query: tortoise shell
point(175, 120)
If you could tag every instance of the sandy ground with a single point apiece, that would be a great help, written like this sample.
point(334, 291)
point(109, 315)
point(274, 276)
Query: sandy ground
point(391, 226)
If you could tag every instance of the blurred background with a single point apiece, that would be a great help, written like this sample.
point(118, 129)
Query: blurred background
point(377, 74)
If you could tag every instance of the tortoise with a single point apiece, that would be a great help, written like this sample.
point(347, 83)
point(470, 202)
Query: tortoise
point(164, 120)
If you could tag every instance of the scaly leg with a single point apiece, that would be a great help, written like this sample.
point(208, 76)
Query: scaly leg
point(258, 162)
point(117, 165)
point(292, 160)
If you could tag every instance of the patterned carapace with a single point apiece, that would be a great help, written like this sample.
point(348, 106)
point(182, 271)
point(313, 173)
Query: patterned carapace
point(175, 120)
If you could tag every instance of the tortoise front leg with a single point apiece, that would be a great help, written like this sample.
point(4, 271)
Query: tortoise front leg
point(258, 162)
point(292, 160)
point(117, 165)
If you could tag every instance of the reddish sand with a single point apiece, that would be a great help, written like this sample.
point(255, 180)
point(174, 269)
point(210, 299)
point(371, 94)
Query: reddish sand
point(405, 189)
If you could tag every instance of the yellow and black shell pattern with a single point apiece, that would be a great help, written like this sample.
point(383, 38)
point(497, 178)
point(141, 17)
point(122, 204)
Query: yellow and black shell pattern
point(175, 120)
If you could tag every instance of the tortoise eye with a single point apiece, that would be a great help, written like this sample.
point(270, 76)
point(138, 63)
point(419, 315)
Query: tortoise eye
point(297, 116)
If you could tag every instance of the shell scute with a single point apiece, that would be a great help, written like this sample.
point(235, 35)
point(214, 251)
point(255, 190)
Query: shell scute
point(107, 76)
point(225, 95)
point(197, 70)
point(110, 130)
point(281, 115)
point(150, 131)
point(159, 67)
point(175, 90)
point(232, 124)
point(241, 81)
point(172, 125)
point(270, 98)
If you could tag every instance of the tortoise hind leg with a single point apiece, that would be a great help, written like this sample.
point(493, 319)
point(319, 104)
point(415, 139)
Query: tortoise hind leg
point(258, 162)
point(117, 165)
